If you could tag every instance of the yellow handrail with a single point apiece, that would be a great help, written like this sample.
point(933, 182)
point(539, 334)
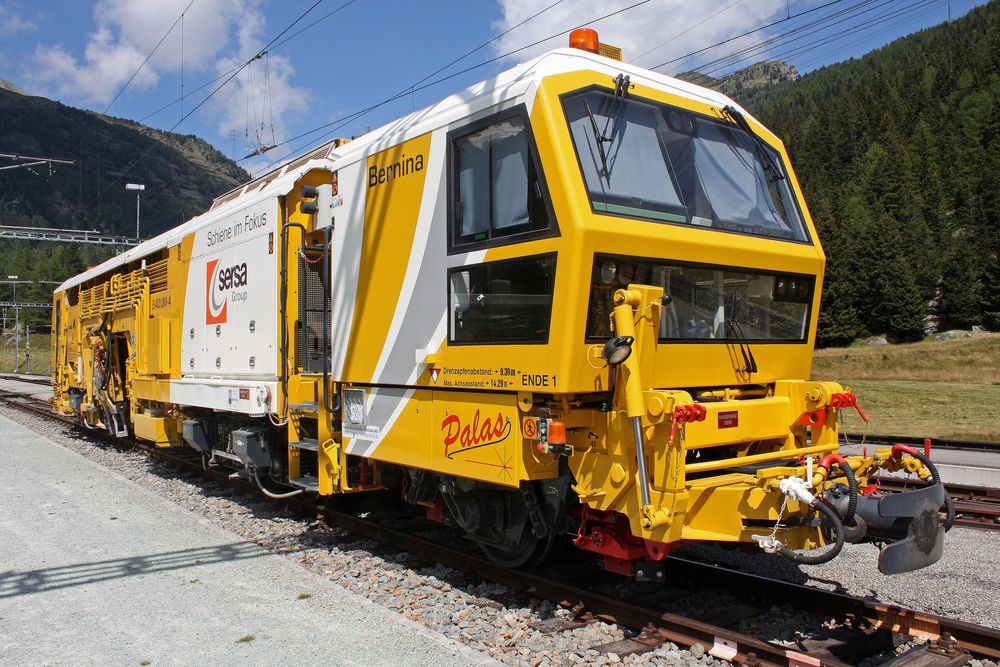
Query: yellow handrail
point(705, 466)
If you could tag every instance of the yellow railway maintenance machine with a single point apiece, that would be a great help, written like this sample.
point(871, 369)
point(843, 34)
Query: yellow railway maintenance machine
point(577, 299)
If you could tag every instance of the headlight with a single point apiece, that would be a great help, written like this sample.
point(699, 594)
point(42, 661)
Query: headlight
point(608, 272)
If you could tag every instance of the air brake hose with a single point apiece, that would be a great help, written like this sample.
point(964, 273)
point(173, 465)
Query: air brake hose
point(852, 484)
point(949, 504)
point(833, 522)
point(271, 494)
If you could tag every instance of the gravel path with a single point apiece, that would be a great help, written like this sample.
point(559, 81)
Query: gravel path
point(493, 619)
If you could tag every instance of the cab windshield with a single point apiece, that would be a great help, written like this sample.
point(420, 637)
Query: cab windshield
point(643, 159)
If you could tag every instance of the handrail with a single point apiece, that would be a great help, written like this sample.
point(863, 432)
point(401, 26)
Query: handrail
point(706, 466)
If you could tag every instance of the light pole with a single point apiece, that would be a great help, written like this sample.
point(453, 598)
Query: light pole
point(17, 320)
point(138, 187)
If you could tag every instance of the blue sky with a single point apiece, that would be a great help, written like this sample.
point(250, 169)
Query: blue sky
point(82, 52)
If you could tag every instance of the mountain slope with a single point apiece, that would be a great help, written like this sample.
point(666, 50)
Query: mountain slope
point(748, 82)
point(898, 153)
point(181, 172)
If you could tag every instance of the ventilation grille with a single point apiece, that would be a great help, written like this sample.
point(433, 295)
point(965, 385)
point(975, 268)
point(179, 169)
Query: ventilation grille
point(309, 352)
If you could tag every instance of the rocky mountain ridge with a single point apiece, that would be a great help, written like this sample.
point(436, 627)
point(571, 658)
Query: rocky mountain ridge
point(742, 82)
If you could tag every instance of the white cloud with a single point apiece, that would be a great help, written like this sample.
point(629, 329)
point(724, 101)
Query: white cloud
point(107, 63)
point(257, 101)
point(218, 35)
point(648, 35)
point(12, 23)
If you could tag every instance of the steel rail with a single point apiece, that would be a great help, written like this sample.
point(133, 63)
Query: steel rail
point(916, 441)
point(976, 507)
point(671, 627)
point(720, 642)
point(33, 379)
point(971, 636)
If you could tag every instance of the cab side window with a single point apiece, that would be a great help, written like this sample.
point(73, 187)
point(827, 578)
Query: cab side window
point(497, 193)
point(508, 301)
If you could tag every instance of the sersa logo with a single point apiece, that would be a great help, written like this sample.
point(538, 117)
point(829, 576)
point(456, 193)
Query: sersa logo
point(218, 281)
point(461, 438)
point(215, 299)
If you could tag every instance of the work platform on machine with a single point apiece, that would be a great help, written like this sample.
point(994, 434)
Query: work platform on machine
point(80, 543)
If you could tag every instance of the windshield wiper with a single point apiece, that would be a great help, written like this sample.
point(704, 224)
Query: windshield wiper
point(614, 114)
point(600, 139)
point(749, 362)
point(771, 170)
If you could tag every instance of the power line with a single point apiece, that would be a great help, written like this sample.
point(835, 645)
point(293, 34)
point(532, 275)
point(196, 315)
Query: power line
point(136, 72)
point(736, 55)
point(795, 34)
point(343, 120)
point(748, 32)
point(232, 74)
point(314, 23)
point(905, 13)
point(689, 29)
point(181, 99)
point(488, 42)
point(806, 64)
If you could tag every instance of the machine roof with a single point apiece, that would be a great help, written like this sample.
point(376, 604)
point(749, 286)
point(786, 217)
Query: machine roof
point(505, 85)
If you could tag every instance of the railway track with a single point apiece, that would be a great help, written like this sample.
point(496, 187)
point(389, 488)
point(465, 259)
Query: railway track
point(32, 379)
point(864, 627)
point(976, 507)
point(914, 441)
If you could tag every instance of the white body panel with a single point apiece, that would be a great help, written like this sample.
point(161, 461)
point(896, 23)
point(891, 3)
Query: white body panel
point(233, 281)
point(244, 396)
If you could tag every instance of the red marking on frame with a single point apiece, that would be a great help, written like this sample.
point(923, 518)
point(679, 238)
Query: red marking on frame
point(729, 419)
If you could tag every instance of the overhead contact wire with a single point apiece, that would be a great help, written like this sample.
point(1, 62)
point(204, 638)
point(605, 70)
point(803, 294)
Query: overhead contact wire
point(138, 69)
point(230, 77)
point(343, 120)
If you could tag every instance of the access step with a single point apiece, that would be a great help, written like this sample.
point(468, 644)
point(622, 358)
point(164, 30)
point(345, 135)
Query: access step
point(307, 482)
point(308, 406)
point(311, 444)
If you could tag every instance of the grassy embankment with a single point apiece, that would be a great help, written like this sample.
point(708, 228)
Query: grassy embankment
point(38, 362)
point(944, 389)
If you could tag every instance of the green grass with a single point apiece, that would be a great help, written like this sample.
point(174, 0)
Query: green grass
point(936, 389)
point(969, 360)
point(926, 409)
point(40, 356)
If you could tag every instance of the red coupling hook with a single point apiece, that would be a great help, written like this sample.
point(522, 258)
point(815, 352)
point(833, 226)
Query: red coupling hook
point(684, 414)
point(844, 400)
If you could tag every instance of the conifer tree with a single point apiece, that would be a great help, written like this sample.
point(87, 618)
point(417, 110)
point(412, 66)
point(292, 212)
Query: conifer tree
point(959, 302)
point(904, 309)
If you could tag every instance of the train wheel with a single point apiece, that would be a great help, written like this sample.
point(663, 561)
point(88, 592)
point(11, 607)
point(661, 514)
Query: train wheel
point(527, 548)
